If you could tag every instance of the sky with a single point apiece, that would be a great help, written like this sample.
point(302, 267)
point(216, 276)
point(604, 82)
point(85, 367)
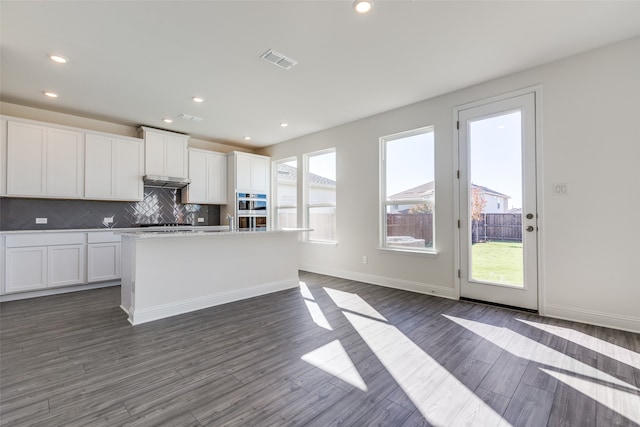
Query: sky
point(495, 155)
point(410, 162)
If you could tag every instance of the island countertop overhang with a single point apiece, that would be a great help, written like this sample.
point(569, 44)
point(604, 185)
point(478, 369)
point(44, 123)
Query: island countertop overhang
point(195, 233)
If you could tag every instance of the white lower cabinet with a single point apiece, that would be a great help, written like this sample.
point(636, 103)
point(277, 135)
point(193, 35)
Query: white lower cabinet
point(26, 269)
point(103, 257)
point(65, 265)
point(38, 261)
point(41, 261)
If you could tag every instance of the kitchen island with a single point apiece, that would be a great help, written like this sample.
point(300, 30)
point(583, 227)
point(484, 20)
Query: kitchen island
point(166, 273)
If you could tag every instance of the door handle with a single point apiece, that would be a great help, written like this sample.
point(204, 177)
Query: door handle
point(530, 228)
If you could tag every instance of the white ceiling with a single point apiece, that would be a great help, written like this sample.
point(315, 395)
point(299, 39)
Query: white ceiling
point(136, 62)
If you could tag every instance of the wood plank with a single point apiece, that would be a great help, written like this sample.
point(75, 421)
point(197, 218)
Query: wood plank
point(74, 360)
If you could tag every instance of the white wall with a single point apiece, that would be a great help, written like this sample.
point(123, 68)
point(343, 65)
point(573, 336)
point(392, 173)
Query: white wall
point(590, 141)
point(15, 110)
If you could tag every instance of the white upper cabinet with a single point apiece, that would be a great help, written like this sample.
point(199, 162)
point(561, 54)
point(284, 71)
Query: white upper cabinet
point(44, 161)
point(249, 172)
point(208, 175)
point(165, 153)
point(114, 168)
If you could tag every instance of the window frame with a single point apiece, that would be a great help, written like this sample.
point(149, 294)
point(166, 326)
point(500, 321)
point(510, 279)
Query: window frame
point(274, 192)
point(307, 206)
point(384, 203)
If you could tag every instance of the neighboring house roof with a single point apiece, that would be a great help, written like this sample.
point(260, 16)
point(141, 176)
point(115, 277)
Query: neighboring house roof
point(488, 191)
point(427, 189)
point(414, 193)
point(289, 173)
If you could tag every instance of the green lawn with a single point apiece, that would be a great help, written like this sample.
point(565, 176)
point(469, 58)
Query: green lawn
point(497, 262)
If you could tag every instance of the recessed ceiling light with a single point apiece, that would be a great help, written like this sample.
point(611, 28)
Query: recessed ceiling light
point(59, 59)
point(197, 99)
point(247, 138)
point(284, 125)
point(362, 6)
point(51, 94)
point(167, 120)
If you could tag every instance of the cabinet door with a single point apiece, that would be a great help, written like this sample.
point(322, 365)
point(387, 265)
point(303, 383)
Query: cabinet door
point(196, 192)
point(175, 156)
point(65, 163)
point(154, 154)
point(26, 160)
point(259, 174)
point(127, 172)
point(66, 265)
point(217, 179)
point(103, 261)
point(99, 167)
point(26, 269)
point(243, 173)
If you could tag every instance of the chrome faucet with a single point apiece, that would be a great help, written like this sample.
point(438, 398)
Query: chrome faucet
point(231, 222)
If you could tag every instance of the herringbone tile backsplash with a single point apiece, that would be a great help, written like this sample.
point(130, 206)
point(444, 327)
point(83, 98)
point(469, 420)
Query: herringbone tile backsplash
point(160, 205)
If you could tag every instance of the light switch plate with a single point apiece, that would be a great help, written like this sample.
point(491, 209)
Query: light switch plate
point(41, 220)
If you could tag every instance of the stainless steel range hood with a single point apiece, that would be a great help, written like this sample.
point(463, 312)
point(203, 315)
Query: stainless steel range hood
point(165, 181)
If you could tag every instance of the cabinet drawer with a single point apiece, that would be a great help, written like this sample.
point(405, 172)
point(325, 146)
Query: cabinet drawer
point(44, 239)
point(103, 237)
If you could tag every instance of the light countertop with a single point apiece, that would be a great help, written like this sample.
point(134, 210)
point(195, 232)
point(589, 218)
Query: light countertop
point(118, 230)
point(199, 232)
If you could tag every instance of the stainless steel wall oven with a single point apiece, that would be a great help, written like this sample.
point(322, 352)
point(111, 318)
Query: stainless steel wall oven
point(251, 211)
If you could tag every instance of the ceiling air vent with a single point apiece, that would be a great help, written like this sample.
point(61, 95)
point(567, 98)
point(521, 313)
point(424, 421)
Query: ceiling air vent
point(278, 59)
point(190, 117)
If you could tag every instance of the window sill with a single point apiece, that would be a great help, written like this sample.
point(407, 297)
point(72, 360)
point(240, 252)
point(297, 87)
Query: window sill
point(398, 251)
point(319, 242)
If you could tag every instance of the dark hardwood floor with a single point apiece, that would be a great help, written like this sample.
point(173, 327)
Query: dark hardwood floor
point(336, 352)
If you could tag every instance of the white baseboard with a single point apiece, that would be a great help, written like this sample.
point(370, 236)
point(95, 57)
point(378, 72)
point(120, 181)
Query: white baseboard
point(56, 291)
point(608, 320)
point(405, 285)
point(139, 316)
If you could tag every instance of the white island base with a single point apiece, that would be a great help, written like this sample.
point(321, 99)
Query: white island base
point(169, 273)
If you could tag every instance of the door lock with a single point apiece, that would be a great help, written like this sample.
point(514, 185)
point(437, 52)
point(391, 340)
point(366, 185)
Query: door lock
point(530, 228)
point(529, 216)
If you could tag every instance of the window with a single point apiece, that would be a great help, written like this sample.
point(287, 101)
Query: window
point(286, 197)
point(408, 191)
point(320, 195)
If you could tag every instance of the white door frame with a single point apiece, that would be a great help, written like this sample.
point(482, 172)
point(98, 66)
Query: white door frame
point(537, 90)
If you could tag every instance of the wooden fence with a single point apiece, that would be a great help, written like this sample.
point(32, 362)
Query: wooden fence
point(418, 226)
point(497, 226)
point(492, 226)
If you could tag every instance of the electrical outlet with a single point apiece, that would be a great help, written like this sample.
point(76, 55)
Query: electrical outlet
point(365, 260)
point(41, 220)
point(108, 220)
point(200, 219)
point(560, 189)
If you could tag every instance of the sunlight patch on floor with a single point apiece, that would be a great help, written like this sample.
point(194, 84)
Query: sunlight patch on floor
point(314, 309)
point(624, 403)
point(317, 315)
point(613, 351)
point(333, 359)
point(437, 394)
point(526, 348)
point(353, 302)
point(592, 382)
point(305, 291)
